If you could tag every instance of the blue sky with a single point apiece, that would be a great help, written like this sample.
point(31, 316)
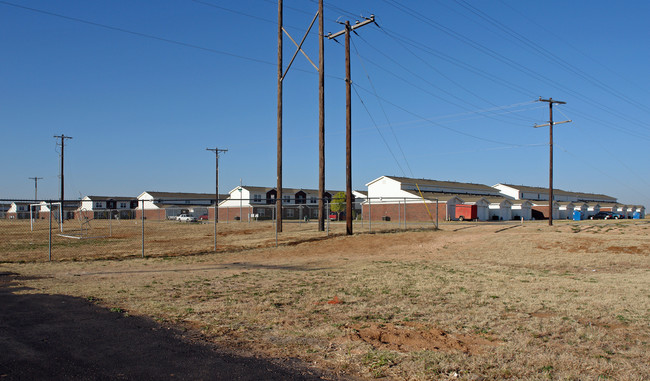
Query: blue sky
point(443, 90)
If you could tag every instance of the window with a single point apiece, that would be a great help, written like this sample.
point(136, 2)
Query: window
point(123, 205)
point(286, 198)
point(98, 204)
point(257, 198)
point(261, 212)
point(289, 212)
point(312, 199)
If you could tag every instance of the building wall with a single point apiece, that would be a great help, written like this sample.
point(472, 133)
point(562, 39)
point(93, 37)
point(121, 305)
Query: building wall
point(399, 211)
point(501, 212)
point(151, 214)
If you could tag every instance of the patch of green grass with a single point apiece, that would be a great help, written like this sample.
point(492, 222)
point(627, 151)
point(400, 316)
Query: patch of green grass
point(378, 361)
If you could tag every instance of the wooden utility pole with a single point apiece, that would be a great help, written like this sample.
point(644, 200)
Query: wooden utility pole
point(62, 144)
point(278, 198)
point(36, 186)
point(348, 119)
point(281, 75)
point(550, 144)
point(321, 120)
point(348, 134)
point(216, 176)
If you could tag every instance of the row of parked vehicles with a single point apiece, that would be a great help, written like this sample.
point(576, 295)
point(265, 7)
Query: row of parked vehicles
point(607, 216)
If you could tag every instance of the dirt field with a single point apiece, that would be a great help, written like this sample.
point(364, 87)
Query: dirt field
point(470, 301)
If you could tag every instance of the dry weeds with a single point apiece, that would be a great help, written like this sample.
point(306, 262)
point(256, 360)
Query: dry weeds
point(468, 302)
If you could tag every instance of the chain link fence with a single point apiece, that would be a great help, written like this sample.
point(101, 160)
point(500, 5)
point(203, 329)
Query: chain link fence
point(50, 230)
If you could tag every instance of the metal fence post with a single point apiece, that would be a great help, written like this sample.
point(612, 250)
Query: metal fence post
point(369, 214)
point(110, 223)
point(49, 242)
point(142, 206)
point(404, 212)
point(327, 209)
point(275, 222)
point(215, 227)
point(436, 213)
point(399, 215)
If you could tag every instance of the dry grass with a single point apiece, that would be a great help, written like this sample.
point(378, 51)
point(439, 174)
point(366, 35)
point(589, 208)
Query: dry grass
point(468, 302)
point(104, 239)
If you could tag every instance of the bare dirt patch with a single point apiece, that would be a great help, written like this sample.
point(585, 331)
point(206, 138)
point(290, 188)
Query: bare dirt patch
point(629, 250)
point(409, 337)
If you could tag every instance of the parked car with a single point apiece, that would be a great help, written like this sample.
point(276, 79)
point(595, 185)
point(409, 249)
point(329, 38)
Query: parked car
point(337, 217)
point(204, 217)
point(186, 218)
point(606, 216)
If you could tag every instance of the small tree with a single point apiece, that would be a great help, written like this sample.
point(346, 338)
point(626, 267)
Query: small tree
point(338, 204)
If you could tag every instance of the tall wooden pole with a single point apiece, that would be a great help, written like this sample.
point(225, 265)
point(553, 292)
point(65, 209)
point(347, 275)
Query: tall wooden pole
point(348, 118)
point(321, 119)
point(63, 138)
point(348, 134)
point(216, 151)
point(550, 144)
point(278, 200)
point(550, 169)
point(36, 186)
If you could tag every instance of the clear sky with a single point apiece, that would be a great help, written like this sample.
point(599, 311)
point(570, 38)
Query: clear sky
point(443, 90)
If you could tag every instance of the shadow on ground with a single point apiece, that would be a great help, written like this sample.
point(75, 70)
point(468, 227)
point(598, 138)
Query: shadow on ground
point(62, 337)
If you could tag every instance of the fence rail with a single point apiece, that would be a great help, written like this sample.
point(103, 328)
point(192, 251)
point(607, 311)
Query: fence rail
point(50, 230)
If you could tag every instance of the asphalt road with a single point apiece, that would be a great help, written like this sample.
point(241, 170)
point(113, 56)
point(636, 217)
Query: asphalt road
point(62, 337)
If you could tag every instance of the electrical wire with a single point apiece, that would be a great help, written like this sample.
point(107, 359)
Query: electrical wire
point(380, 134)
point(605, 174)
point(424, 90)
point(581, 52)
point(548, 55)
point(433, 68)
point(382, 109)
point(509, 62)
point(438, 124)
point(458, 63)
point(157, 38)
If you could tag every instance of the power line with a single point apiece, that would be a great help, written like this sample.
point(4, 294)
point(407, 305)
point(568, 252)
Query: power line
point(560, 38)
point(139, 34)
point(458, 63)
point(550, 56)
point(511, 63)
point(157, 38)
point(429, 92)
point(383, 111)
point(427, 81)
point(438, 124)
point(380, 134)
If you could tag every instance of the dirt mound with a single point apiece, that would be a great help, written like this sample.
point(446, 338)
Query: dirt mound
point(408, 337)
